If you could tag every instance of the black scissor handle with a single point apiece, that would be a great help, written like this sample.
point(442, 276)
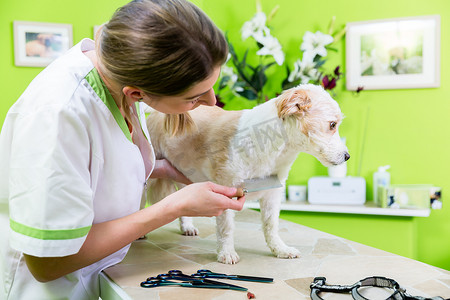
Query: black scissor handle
point(164, 276)
point(175, 272)
point(151, 282)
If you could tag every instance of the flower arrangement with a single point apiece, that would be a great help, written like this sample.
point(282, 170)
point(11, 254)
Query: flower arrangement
point(249, 80)
point(311, 67)
point(242, 78)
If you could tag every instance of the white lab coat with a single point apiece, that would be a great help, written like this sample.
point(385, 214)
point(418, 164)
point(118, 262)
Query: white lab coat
point(67, 161)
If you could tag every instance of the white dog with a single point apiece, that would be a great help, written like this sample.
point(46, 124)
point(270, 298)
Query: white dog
point(228, 147)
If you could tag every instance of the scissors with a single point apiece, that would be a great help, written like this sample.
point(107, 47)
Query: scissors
point(177, 274)
point(209, 274)
point(177, 278)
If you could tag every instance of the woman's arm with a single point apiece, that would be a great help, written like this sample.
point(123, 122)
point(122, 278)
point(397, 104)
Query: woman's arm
point(199, 199)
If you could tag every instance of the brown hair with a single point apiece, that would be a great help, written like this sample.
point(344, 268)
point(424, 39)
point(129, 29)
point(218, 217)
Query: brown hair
point(163, 47)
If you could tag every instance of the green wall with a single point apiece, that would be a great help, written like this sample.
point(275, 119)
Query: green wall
point(406, 128)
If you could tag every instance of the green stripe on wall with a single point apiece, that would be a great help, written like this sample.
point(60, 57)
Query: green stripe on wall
point(46, 234)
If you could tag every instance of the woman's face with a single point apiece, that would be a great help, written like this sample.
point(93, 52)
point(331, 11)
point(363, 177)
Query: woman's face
point(200, 94)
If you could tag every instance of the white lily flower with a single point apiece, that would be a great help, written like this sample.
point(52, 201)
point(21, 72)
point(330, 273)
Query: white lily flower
point(237, 89)
point(256, 27)
point(271, 46)
point(312, 74)
point(228, 57)
point(316, 42)
point(228, 71)
point(231, 83)
point(304, 69)
point(295, 74)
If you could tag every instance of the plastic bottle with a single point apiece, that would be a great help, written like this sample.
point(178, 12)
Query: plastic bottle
point(381, 177)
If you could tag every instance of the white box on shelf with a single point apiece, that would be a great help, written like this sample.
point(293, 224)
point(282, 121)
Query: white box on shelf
point(337, 191)
point(297, 193)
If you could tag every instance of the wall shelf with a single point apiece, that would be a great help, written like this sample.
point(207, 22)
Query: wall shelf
point(368, 208)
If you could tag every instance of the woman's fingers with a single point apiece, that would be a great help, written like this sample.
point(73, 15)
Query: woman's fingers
point(224, 190)
point(230, 192)
point(237, 204)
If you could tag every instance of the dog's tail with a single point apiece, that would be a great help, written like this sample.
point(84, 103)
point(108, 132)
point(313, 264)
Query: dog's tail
point(158, 189)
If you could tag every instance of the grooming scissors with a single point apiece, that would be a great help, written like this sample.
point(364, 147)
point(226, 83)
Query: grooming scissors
point(177, 278)
point(209, 274)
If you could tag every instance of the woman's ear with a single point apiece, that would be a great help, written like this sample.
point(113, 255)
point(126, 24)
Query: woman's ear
point(293, 102)
point(132, 93)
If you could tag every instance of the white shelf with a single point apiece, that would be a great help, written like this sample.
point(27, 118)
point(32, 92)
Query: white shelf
point(367, 209)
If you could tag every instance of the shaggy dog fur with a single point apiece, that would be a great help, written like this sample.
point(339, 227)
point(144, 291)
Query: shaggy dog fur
point(228, 147)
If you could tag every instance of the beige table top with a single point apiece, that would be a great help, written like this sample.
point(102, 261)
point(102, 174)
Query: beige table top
point(340, 261)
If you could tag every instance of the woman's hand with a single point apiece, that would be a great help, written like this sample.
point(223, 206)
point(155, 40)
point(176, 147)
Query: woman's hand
point(164, 169)
point(198, 199)
point(205, 199)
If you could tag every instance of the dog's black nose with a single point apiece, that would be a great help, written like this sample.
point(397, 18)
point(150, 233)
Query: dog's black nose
point(346, 156)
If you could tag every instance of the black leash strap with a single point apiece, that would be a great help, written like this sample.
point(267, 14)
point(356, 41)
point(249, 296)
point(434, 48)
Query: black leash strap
point(319, 285)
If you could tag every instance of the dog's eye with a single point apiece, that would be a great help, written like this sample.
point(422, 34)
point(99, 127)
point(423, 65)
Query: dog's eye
point(332, 125)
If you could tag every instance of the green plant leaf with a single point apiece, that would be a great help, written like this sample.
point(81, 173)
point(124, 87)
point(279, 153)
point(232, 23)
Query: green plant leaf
point(249, 94)
point(317, 58)
point(265, 67)
point(223, 82)
point(320, 63)
point(331, 48)
point(287, 84)
point(244, 59)
point(256, 82)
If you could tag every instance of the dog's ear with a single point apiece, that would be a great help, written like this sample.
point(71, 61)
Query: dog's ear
point(293, 102)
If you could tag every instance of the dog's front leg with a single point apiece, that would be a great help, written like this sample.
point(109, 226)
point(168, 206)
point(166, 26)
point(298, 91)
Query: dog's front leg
point(187, 226)
point(270, 213)
point(225, 238)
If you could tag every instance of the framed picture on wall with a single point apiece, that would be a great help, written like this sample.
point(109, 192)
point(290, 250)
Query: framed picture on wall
point(38, 44)
point(402, 53)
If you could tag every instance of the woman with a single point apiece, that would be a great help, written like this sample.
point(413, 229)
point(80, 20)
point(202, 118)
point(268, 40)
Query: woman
point(74, 152)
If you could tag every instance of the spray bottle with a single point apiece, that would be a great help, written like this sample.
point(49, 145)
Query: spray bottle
point(381, 177)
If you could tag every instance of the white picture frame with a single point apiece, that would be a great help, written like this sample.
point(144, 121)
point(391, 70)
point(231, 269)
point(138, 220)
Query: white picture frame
point(37, 44)
point(400, 53)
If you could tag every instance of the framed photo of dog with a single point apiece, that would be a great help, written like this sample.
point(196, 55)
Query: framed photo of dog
point(401, 53)
point(38, 44)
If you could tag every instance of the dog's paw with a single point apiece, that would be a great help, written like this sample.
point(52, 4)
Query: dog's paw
point(286, 252)
point(189, 230)
point(228, 257)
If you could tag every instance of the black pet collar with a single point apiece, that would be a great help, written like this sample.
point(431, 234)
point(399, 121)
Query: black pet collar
point(319, 286)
